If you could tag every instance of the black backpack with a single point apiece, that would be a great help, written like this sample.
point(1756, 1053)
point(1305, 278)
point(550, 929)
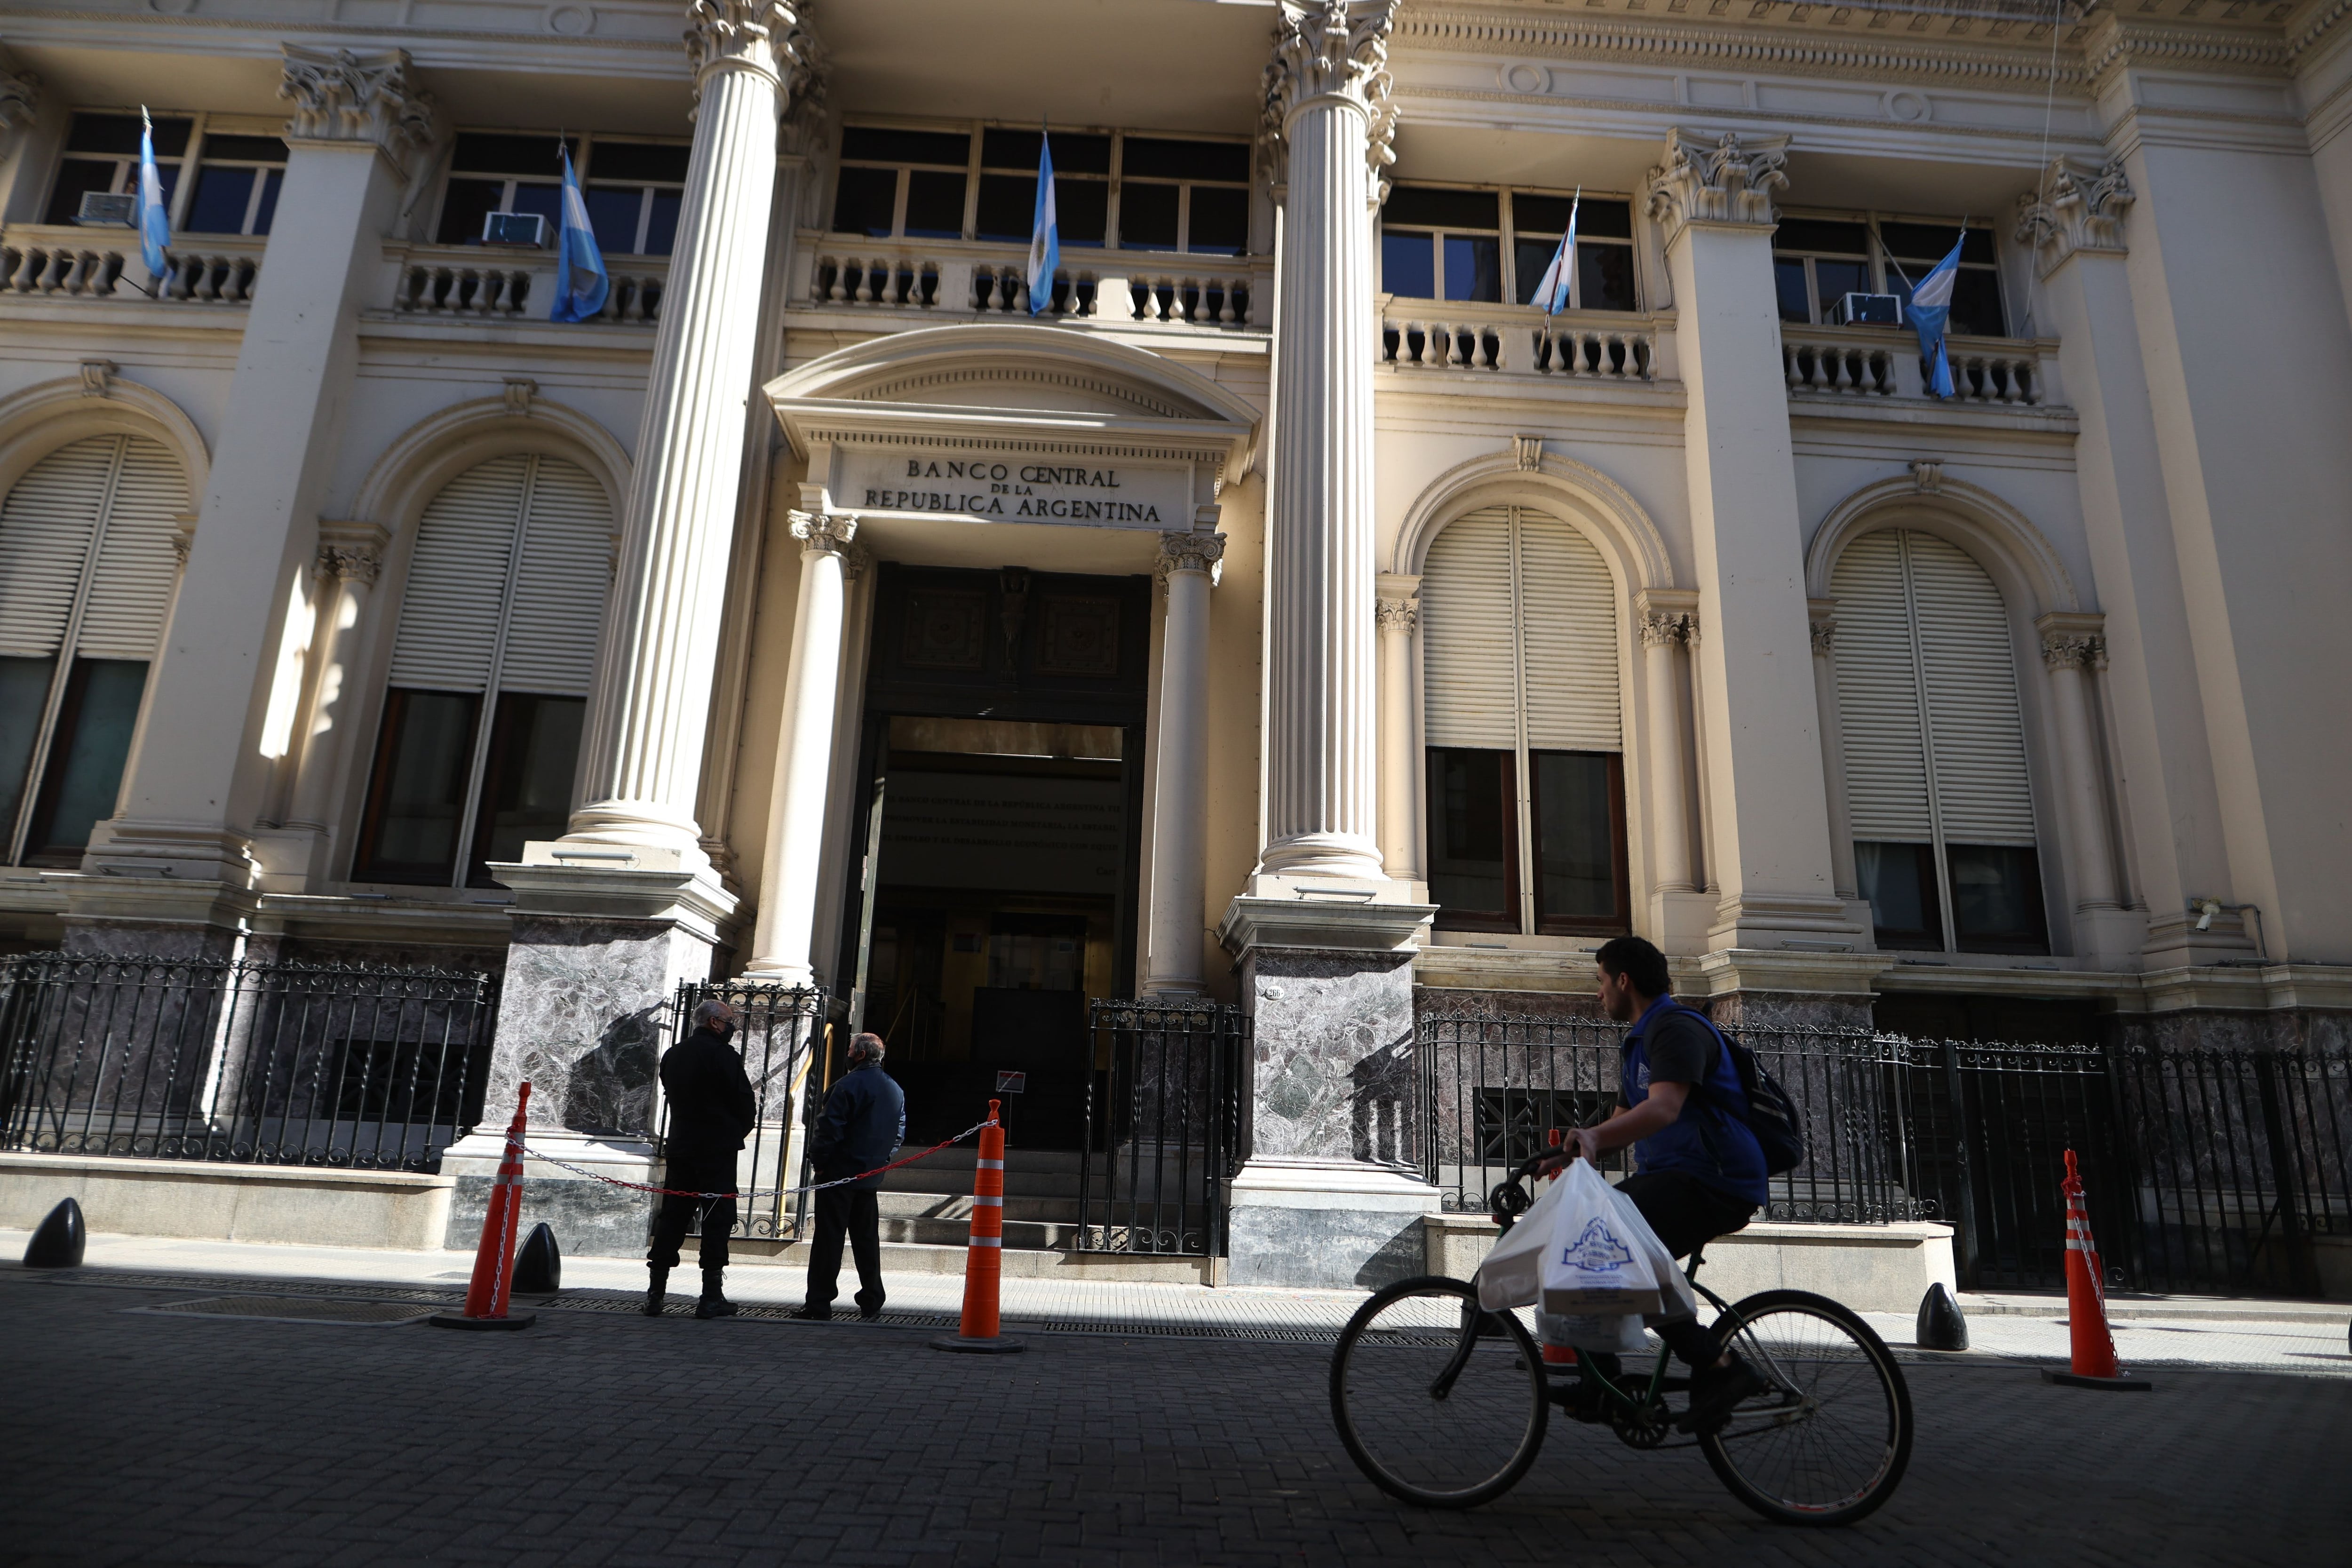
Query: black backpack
point(1771, 1114)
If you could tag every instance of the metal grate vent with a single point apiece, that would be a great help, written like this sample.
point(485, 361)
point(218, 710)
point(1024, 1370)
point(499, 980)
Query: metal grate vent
point(295, 1310)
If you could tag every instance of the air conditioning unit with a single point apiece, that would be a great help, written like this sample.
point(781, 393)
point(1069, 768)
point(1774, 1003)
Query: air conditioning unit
point(515, 229)
point(1867, 310)
point(100, 210)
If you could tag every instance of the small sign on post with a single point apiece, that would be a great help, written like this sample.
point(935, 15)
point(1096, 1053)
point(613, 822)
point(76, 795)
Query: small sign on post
point(1011, 1082)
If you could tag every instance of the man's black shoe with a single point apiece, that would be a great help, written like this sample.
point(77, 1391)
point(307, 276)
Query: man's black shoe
point(868, 1314)
point(714, 1307)
point(814, 1313)
point(1715, 1391)
point(655, 1291)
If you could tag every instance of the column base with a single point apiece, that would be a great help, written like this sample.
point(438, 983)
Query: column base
point(1328, 1224)
point(181, 851)
point(591, 1219)
point(1680, 919)
point(1797, 922)
point(1777, 989)
point(122, 916)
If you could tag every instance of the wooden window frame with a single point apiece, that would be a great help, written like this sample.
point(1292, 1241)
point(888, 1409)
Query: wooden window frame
point(1621, 918)
point(1452, 917)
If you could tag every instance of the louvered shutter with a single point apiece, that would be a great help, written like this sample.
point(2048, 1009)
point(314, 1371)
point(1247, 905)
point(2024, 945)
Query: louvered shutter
point(45, 527)
point(1982, 789)
point(1567, 638)
point(1878, 695)
point(132, 591)
point(559, 587)
point(1469, 695)
point(457, 579)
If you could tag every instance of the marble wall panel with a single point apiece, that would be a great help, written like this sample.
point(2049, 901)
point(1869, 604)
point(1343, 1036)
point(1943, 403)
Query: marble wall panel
point(1332, 1073)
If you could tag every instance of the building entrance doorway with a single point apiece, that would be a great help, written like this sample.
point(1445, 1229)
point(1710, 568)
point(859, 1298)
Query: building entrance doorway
point(999, 824)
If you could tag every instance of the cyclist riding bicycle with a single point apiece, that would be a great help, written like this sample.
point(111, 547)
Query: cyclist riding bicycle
point(1698, 1170)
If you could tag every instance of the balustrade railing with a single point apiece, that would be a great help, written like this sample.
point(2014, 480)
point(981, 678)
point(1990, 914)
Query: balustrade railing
point(955, 277)
point(1591, 345)
point(1880, 362)
point(67, 262)
point(464, 281)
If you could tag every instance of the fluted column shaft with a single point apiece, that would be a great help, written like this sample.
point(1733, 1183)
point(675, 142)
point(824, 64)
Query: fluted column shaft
point(643, 756)
point(1841, 808)
point(352, 574)
point(1181, 780)
point(779, 947)
point(2069, 658)
point(1399, 615)
point(1662, 632)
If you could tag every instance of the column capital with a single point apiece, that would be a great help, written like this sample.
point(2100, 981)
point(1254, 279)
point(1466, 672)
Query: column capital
point(2080, 206)
point(1727, 180)
point(20, 101)
point(1330, 49)
point(343, 96)
point(351, 563)
point(1198, 550)
point(825, 532)
point(769, 38)
point(1402, 616)
point(2068, 649)
point(1825, 633)
point(1665, 627)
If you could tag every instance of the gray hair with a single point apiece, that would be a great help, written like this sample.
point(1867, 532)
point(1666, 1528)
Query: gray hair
point(713, 1011)
point(872, 1045)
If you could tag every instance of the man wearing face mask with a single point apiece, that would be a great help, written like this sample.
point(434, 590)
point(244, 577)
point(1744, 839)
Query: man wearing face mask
point(711, 1110)
point(864, 1122)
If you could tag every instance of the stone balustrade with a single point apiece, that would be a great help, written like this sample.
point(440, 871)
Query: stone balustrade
point(64, 261)
point(1596, 345)
point(954, 277)
point(467, 281)
point(1882, 361)
point(1222, 298)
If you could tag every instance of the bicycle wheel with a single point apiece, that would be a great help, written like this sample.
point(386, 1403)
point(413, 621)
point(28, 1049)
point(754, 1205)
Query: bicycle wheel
point(1438, 1403)
point(1828, 1441)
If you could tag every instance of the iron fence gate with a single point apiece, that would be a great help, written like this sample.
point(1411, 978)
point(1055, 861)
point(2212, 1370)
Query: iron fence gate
point(1162, 1126)
point(782, 1037)
point(274, 1064)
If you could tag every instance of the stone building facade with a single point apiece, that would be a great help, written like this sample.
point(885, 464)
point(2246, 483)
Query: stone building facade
point(1287, 610)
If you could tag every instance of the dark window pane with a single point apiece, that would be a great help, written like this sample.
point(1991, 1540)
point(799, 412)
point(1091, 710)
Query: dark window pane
point(1579, 842)
point(1836, 280)
point(24, 692)
point(934, 205)
point(85, 757)
point(880, 146)
point(1081, 208)
point(526, 787)
point(1997, 898)
point(1220, 221)
point(1072, 153)
point(1442, 209)
point(1474, 268)
point(1788, 283)
point(1976, 304)
point(1899, 880)
point(1606, 276)
point(1538, 216)
point(612, 214)
point(273, 181)
point(1185, 159)
point(865, 202)
point(661, 225)
point(1811, 234)
point(639, 161)
point(1407, 267)
point(1530, 257)
point(1147, 217)
point(480, 154)
point(1929, 242)
point(120, 133)
point(1008, 207)
point(218, 204)
point(76, 177)
point(1605, 220)
point(243, 149)
point(547, 201)
point(410, 831)
point(1472, 854)
point(467, 202)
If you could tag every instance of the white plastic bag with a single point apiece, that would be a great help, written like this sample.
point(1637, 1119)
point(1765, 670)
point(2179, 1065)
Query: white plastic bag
point(1597, 1264)
point(1676, 1300)
point(1620, 1334)
point(1512, 1273)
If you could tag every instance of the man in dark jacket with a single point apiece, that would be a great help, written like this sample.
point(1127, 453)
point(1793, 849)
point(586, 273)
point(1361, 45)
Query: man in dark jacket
point(864, 1122)
point(711, 1109)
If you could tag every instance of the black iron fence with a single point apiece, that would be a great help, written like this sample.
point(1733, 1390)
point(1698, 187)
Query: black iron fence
point(1162, 1126)
point(274, 1064)
point(782, 1034)
point(2214, 1171)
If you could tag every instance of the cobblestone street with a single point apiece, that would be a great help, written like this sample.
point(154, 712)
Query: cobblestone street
point(142, 1437)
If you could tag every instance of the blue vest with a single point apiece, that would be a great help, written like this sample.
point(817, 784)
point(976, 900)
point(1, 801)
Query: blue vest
point(1710, 1139)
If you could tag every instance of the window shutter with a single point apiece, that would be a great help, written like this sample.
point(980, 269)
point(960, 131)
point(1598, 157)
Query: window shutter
point(559, 587)
point(457, 579)
point(45, 529)
point(1969, 672)
point(1469, 695)
point(132, 591)
point(1878, 694)
point(1567, 638)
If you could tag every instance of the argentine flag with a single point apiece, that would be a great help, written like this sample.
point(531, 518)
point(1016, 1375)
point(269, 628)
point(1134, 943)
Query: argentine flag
point(1551, 288)
point(1931, 306)
point(1045, 236)
point(581, 285)
point(155, 225)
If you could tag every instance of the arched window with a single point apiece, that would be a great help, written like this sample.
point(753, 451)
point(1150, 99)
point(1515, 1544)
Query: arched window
point(1526, 781)
point(1941, 802)
point(505, 597)
point(86, 578)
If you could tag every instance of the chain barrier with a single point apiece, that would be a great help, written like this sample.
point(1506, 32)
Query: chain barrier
point(755, 1192)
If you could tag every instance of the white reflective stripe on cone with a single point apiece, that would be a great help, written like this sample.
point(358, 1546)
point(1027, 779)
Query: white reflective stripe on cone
point(991, 1164)
point(996, 1203)
point(987, 1241)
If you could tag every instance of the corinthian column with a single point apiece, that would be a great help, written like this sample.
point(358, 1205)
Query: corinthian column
point(643, 756)
point(350, 561)
point(1327, 122)
point(780, 950)
point(1188, 564)
point(1398, 612)
point(2072, 647)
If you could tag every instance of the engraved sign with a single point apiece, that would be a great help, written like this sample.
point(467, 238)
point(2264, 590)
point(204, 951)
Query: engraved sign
point(1017, 486)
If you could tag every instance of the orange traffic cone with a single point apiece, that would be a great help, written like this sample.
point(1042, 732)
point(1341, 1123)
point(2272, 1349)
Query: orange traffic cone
point(2093, 1353)
point(493, 1282)
point(983, 1265)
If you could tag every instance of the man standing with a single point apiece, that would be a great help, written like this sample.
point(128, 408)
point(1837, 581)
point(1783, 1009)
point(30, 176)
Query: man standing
point(865, 1119)
point(711, 1109)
